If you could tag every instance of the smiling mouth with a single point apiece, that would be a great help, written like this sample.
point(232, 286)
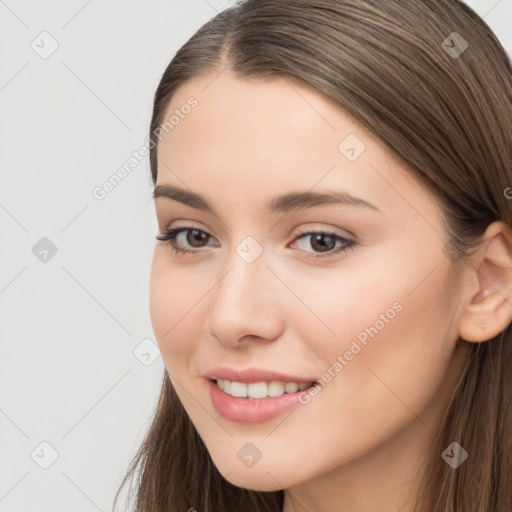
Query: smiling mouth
point(259, 390)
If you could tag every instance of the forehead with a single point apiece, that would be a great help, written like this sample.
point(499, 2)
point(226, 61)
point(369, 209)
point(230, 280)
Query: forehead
point(268, 136)
point(270, 118)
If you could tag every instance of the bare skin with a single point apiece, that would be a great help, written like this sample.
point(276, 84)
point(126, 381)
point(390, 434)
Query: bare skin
point(358, 445)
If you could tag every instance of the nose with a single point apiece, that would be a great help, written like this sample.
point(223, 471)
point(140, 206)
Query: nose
point(246, 304)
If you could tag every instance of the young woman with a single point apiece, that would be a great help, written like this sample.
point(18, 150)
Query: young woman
point(331, 288)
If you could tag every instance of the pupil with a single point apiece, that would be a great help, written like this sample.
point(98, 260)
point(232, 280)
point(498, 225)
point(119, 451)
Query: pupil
point(317, 239)
point(197, 236)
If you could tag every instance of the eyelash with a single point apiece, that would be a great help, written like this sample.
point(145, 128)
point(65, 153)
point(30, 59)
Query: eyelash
point(169, 237)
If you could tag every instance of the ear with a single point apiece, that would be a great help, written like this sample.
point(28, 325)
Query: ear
point(489, 309)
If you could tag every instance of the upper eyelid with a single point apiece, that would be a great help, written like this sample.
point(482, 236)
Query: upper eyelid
point(166, 224)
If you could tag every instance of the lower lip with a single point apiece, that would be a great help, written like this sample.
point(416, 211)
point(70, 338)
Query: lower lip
point(251, 410)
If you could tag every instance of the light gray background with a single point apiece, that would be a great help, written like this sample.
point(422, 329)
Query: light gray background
point(80, 371)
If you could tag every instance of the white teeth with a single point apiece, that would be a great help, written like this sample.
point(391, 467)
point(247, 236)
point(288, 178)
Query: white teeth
point(260, 389)
point(238, 389)
point(291, 387)
point(275, 388)
point(257, 390)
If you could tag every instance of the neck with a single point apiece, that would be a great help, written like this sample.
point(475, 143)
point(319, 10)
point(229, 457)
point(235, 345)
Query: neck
point(386, 479)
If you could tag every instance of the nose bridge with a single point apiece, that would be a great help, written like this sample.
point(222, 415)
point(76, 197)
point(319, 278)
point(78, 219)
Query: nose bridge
point(246, 273)
point(245, 302)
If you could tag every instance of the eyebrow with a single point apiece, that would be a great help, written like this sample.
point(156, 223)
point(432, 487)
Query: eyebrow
point(284, 203)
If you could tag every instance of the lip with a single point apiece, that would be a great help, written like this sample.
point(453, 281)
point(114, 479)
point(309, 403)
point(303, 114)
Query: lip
point(252, 410)
point(254, 375)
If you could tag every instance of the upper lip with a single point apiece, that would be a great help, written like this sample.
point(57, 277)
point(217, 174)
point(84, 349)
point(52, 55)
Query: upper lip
point(252, 375)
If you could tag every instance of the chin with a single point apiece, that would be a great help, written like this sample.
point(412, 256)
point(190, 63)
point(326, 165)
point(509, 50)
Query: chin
point(260, 481)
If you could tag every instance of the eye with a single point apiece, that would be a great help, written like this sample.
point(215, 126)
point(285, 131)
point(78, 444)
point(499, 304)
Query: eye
point(194, 236)
point(325, 242)
point(322, 241)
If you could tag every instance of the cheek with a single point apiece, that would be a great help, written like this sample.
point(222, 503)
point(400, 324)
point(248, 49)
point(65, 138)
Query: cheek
point(172, 301)
point(377, 327)
point(394, 356)
point(342, 305)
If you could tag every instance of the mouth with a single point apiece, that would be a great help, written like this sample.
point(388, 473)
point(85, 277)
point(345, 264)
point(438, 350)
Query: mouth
point(260, 390)
point(255, 402)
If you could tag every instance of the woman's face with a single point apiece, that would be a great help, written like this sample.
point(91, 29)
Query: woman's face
point(356, 296)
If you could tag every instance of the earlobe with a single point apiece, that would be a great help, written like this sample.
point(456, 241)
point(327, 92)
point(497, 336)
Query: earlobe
point(488, 311)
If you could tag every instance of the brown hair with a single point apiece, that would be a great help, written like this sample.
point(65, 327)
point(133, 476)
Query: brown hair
point(449, 118)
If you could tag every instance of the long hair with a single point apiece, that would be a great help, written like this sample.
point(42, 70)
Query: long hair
point(443, 108)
